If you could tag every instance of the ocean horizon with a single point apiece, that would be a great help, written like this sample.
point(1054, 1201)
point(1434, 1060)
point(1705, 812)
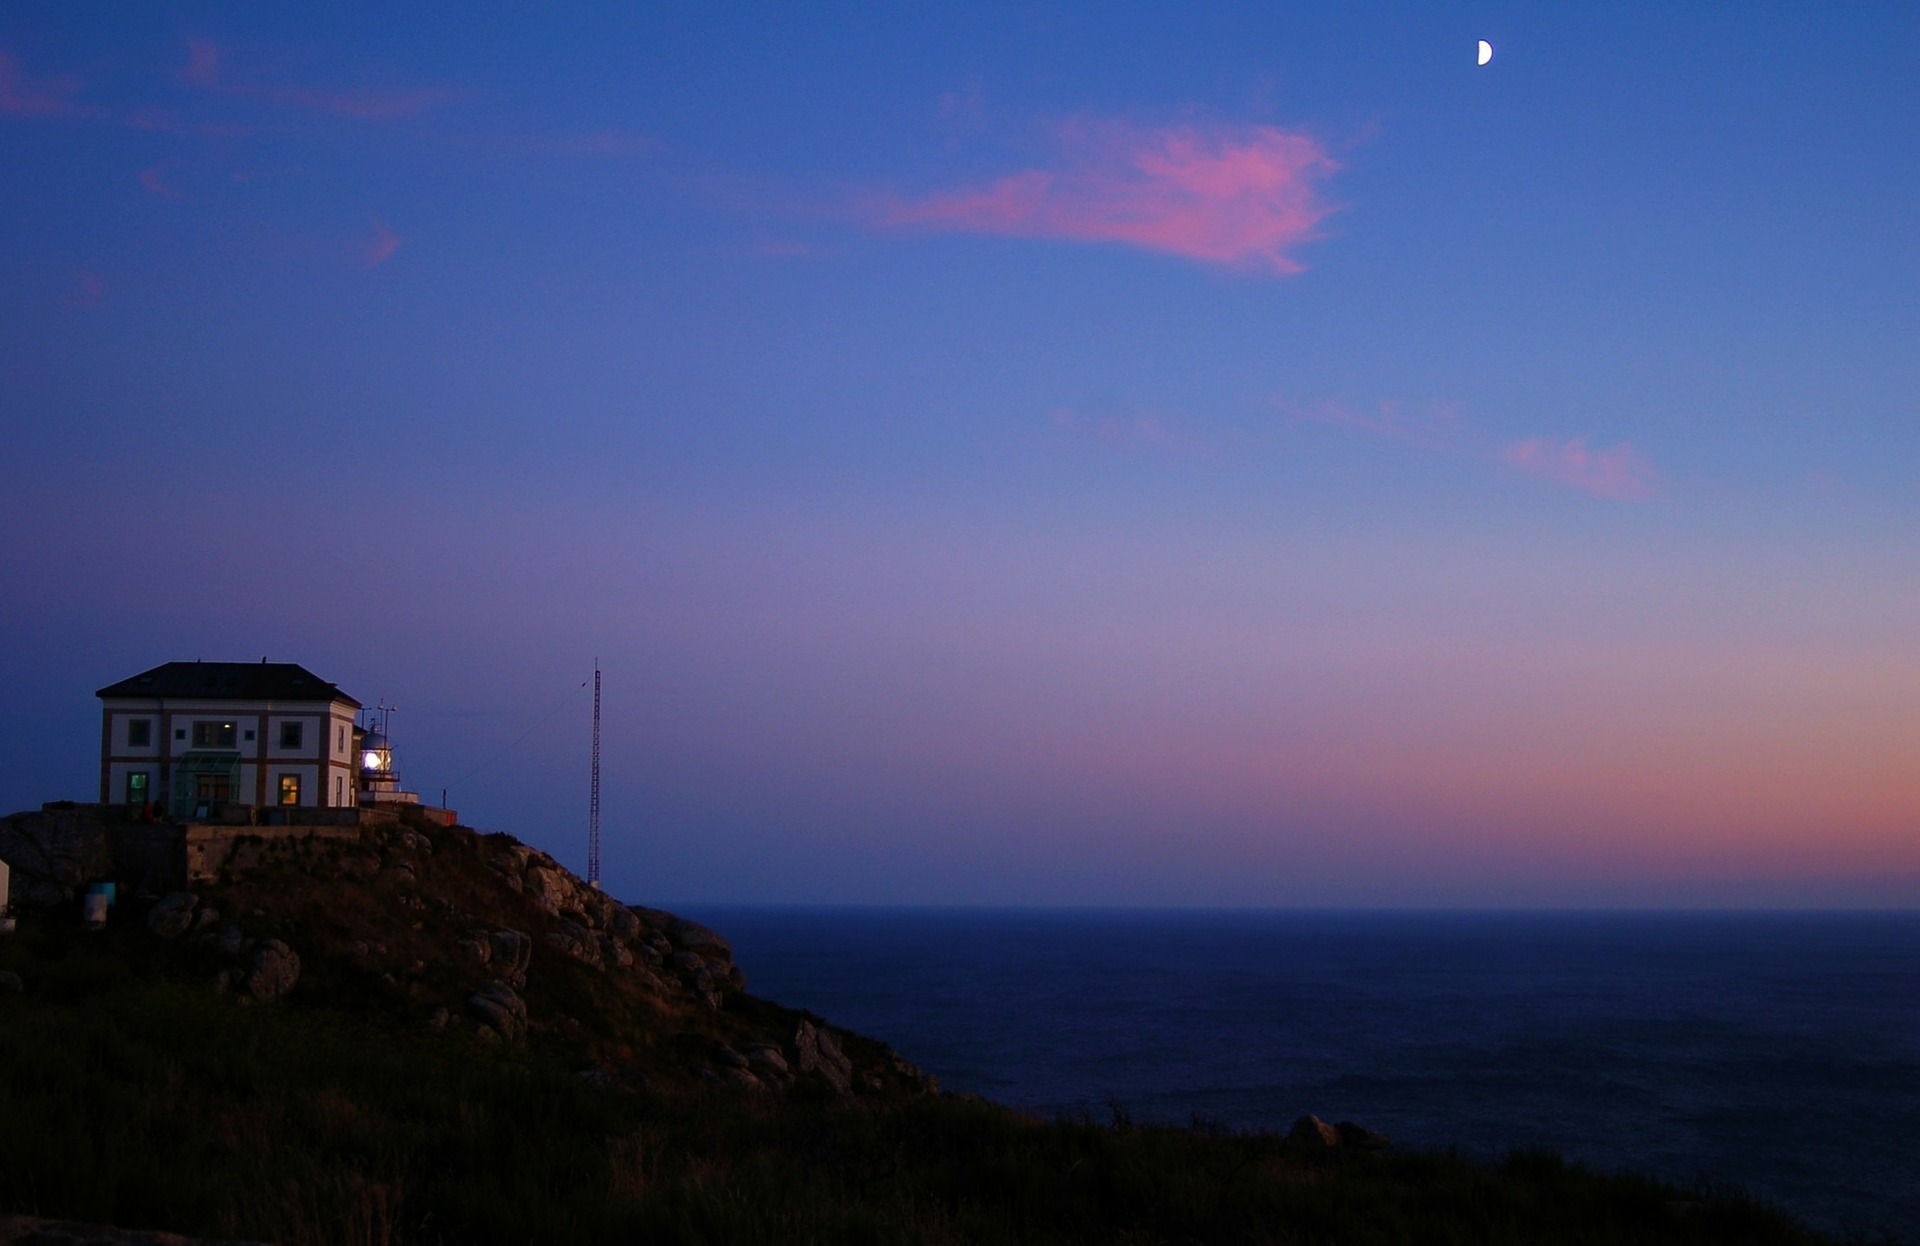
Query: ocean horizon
point(1777, 1051)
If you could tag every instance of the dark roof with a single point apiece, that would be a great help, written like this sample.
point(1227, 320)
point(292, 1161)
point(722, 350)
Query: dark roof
point(229, 681)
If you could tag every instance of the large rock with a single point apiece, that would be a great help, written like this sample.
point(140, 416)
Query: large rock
point(274, 971)
point(572, 939)
point(54, 854)
point(511, 950)
point(172, 915)
point(622, 924)
point(1313, 1132)
point(815, 1050)
point(499, 1006)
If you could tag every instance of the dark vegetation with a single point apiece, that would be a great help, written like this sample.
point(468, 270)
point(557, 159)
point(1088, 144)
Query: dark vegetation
point(132, 1094)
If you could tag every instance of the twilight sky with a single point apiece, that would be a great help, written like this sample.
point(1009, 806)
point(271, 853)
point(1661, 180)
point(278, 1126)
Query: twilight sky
point(1143, 454)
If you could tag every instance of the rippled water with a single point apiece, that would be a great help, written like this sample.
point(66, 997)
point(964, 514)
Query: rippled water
point(1778, 1052)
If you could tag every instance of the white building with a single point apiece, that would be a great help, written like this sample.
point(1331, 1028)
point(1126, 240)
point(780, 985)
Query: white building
point(189, 735)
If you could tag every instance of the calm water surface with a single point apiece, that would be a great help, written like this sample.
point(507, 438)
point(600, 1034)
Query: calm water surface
point(1779, 1052)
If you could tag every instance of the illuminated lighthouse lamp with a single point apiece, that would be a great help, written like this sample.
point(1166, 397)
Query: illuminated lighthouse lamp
point(379, 783)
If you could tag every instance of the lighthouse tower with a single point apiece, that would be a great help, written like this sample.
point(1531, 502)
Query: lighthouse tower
point(379, 781)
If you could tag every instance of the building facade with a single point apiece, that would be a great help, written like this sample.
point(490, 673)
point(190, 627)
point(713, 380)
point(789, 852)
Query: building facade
point(186, 736)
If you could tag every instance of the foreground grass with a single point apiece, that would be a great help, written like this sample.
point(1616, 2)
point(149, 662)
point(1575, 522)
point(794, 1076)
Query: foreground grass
point(132, 1094)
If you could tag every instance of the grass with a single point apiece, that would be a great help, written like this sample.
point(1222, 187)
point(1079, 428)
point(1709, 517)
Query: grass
point(132, 1094)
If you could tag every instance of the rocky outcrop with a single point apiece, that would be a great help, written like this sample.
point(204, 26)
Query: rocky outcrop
point(499, 1007)
point(1311, 1131)
point(466, 931)
point(815, 1050)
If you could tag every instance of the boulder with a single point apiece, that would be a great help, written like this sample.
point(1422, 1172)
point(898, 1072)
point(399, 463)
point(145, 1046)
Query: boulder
point(622, 924)
point(741, 1079)
point(274, 971)
point(697, 938)
point(550, 888)
point(1313, 1132)
point(1361, 1138)
point(476, 947)
point(727, 1057)
point(815, 1050)
point(511, 950)
point(613, 952)
point(500, 1007)
point(769, 1063)
point(568, 940)
point(172, 914)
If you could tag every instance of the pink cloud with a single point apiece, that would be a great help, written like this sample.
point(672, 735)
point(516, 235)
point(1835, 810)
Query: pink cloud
point(1622, 473)
point(380, 250)
point(206, 68)
point(1437, 427)
point(23, 95)
point(1242, 196)
point(154, 180)
point(1134, 430)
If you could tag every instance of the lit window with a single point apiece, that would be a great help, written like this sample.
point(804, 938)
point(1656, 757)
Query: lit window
point(137, 788)
point(289, 789)
point(292, 735)
point(213, 735)
point(139, 732)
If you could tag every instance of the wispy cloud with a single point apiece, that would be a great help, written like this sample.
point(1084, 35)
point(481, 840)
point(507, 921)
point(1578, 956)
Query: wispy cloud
point(1437, 427)
point(1240, 196)
point(207, 69)
point(1621, 473)
point(1136, 430)
point(26, 95)
point(382, 246)
point(154, 179)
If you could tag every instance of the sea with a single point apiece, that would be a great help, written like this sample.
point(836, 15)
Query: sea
point(1775, 1053)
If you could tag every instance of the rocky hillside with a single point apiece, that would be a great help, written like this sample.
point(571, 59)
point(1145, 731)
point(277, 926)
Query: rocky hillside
point(473, 934)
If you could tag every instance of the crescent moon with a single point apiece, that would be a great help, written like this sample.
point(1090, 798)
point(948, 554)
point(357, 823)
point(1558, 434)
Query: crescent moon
point(1486, 52)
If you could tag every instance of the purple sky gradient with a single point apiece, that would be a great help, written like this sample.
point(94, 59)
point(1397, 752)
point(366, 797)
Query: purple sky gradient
point(1002, 454)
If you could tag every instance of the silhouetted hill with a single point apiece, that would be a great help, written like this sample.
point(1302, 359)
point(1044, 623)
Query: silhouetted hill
point(406, 1032)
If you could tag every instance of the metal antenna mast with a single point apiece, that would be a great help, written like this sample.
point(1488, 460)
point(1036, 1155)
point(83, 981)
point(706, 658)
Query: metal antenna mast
point(593, 801)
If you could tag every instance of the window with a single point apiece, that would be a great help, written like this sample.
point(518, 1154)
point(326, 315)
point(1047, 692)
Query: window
point(139, 732)
point(137, 788)
point(293, 735)
point(339, 790)
point(213, 735)
point(179, 733)
point(340, 741)
point(289, 789)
